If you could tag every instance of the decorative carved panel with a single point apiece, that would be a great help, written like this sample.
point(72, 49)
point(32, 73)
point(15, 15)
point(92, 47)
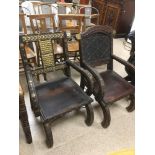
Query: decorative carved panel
point(120, 14)
point(111, 15)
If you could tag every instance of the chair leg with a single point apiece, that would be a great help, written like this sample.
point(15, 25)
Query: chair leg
point(75, 56)
point(131, 107)
point(67, 72)
point(106, 113)
point(37, 77)
point(82, 83)
point(45, 76)
point(90, 115)
point(49, 136)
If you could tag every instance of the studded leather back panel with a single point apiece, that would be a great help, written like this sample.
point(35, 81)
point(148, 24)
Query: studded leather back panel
point(96, 46)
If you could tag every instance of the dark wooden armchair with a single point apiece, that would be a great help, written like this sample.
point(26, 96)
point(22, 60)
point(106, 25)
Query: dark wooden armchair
point(97, 49)
point(53, 99)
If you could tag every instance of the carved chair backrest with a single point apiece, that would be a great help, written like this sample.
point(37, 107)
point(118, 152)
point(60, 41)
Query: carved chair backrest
point(42, 23)
point(46, 44)
point(70, 22)
point(96, 45)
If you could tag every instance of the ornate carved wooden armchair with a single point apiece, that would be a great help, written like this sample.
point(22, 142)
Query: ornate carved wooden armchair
point(97, 49)
point(53, 99)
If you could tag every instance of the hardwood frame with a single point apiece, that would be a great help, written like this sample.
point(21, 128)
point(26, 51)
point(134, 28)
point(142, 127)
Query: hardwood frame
point(58, 89)
point(96, 48)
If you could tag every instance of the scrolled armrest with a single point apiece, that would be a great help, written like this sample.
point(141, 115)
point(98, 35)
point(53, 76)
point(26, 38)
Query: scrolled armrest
point(125, 63)
point(97, 78)
point(83, 73)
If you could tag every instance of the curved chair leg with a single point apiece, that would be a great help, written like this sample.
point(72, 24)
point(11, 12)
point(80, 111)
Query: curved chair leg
point(90, 115)
point(106, 113)
point(49, 136)
point(131, 107)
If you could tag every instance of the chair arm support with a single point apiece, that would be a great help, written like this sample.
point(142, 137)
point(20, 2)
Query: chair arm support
point(31, 87)
point(125, 63)
point(97, 78)
point(83, 73)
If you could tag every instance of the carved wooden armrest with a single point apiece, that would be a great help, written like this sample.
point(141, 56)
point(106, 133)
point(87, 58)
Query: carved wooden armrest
point(125, 63)
point(32, 90)
point(83, 73)
point(97, 78)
